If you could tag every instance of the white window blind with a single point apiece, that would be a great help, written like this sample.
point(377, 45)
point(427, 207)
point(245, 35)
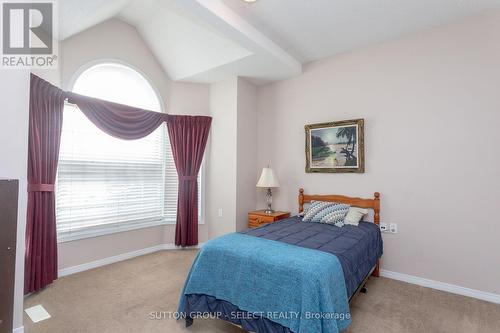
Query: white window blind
point(106, 184)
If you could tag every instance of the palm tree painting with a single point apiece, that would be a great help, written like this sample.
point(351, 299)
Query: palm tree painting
point(348, 133)
point(335, 147)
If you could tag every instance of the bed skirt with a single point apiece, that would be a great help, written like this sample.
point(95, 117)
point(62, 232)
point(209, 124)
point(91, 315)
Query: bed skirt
point(204, 304)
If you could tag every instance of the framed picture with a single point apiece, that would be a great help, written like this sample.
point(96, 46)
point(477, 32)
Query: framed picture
point(336, 147)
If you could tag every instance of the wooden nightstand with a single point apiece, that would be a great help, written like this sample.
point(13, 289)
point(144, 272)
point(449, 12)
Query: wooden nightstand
point(259, 218)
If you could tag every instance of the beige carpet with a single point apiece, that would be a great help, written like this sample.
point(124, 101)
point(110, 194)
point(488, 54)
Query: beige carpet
point(121, 297)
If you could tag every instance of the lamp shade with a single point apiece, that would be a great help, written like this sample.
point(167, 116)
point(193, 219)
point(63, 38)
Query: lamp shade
point(268, 179)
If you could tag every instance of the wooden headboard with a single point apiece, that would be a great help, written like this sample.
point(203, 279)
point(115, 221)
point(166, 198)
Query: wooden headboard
point(357, 202)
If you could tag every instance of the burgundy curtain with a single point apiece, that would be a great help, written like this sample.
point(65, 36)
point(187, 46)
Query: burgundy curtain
point(118, 120)
point(45, 123)
point(188, 138)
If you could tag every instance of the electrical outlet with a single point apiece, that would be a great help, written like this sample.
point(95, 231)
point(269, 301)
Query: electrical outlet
point(389, 228)
point(219, 212)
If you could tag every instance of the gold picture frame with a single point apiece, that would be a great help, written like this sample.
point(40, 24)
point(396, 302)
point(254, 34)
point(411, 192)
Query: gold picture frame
point(335, 147)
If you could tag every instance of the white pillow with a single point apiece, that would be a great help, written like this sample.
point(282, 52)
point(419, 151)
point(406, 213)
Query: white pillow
point(354, 215)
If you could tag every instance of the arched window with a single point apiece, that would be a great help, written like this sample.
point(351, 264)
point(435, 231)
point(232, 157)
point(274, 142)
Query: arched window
point(105, 184)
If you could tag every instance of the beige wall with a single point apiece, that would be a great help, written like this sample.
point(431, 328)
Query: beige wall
point(221, 170)
point(52, 76)
point(431, 104)
point(115, 40)
point(14, 116)
point(112, 40)
point(246, 178)
point(233, 152)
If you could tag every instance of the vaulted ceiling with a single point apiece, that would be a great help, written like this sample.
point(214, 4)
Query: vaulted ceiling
point(209, 40)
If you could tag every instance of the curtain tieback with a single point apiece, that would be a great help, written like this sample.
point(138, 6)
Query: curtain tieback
point(188, 178)
point(40, 187)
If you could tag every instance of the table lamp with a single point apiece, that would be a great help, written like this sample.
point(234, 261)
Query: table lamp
point(268, 180)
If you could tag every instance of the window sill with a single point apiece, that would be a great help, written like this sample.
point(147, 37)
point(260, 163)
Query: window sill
point(98, 231)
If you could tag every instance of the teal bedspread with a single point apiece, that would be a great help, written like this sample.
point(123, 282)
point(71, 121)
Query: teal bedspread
point(296, 287)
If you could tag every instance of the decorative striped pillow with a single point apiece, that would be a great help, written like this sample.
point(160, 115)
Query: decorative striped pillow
point(326, 212)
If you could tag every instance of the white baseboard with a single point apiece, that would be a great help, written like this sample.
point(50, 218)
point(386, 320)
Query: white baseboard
point(18, 330)
point(124, 256)
point(451, 288)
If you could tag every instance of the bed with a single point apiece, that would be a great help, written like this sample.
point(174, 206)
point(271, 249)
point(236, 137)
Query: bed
point(288, 276)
